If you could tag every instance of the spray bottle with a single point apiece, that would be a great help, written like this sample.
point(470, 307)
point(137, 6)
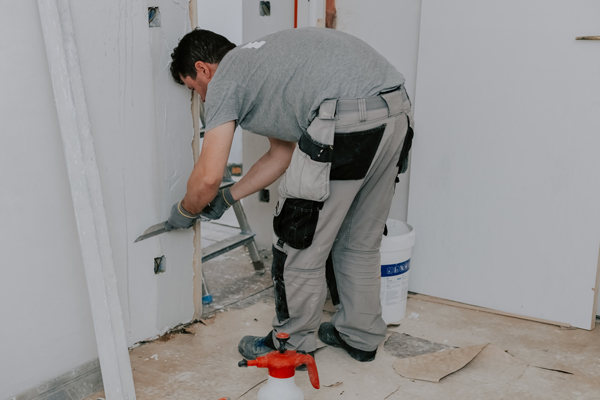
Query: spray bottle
point(282, 366)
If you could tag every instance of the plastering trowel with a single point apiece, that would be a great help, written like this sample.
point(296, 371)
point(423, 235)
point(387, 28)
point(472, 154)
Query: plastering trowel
point(160, 228)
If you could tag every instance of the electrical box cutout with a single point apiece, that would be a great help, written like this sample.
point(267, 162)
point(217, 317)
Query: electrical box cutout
point(264, 196)
point(265, 8)
point(153, 17)
point(160, 264)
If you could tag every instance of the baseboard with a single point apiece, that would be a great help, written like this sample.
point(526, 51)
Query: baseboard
point(438, 300)
point(76, 384)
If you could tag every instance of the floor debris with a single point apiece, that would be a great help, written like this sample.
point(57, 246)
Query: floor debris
point(527, 360)
point(402, 345)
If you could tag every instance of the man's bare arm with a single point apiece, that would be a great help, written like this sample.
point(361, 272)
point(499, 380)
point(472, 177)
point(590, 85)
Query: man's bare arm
point(207, 174)
point(266, 170)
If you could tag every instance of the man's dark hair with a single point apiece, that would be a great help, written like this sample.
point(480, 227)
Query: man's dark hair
point(197, 45)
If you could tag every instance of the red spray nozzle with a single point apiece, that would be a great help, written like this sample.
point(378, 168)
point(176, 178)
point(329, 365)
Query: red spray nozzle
point(282, 363)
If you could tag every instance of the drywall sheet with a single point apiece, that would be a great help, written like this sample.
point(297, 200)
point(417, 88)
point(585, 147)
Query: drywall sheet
point(504, 192)
point(142, 129)
point(392, 28)
point(45, 322)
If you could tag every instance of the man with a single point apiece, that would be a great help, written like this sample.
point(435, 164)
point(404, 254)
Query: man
point(336, 115)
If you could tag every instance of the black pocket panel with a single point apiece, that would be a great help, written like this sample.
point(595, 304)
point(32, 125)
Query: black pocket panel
point(297, 222)
point(331, 282)
point(281, 306)
point(353, 153)
point(315, 150)
point(403, 161)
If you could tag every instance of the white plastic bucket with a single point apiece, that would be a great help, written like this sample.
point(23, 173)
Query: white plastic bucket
point(395, 264)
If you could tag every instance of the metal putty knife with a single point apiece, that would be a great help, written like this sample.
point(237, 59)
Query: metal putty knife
point(152, 231)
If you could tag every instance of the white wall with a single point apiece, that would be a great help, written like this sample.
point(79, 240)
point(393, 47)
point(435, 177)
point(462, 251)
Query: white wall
point(45, 325)
point(505, 182)
point(144, 155)
point(223, 17)
point(392, 28)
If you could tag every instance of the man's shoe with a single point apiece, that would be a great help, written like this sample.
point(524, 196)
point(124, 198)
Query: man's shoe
point(252, 347)
point(330, 336)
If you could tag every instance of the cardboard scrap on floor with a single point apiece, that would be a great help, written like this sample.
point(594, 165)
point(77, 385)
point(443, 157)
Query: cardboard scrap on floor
point(433, 367)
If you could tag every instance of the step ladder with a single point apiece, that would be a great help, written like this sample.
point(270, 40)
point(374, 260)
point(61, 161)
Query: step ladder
point(244, 238)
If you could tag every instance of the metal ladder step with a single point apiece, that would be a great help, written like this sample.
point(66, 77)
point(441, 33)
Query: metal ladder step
point(246, 237)
point(222, 247)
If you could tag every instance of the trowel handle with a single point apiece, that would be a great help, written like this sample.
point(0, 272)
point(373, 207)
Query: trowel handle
point(313, 374)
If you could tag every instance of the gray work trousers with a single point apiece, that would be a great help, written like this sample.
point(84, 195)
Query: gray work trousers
point(345, 229)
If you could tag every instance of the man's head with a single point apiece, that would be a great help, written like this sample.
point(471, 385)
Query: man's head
point(196, 57)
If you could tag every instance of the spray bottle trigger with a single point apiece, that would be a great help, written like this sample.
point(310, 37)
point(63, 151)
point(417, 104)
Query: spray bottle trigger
point(313, 374)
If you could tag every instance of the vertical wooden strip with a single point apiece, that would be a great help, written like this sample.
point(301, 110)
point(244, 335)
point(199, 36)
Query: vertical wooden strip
point(197, 260)
point(295, 14)
point(330, 14)
point(84, 179)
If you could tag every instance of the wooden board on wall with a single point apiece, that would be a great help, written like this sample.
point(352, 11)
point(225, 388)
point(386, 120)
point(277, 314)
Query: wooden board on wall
point(505, 183)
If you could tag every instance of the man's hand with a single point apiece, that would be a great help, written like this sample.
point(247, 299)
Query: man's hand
point(180, 218)
point(207, 174)
point(217, 207)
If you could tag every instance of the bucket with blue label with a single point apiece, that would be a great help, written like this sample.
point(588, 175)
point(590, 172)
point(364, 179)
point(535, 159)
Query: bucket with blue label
point(396, 249)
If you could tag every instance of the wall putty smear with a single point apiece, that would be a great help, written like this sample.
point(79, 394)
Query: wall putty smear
point(142, 129)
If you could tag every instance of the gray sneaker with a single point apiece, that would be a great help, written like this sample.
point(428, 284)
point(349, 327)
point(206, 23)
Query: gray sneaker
point(252, 347)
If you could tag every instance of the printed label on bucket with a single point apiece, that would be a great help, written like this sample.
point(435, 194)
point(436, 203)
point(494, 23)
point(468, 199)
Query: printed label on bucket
point(394, 290)
point(395, 269)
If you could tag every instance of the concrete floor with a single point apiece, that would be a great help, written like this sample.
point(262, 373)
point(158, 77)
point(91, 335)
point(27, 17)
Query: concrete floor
point(536, 361)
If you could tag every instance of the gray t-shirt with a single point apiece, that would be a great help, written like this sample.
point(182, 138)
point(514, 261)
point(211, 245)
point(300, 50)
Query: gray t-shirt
point(275, 85)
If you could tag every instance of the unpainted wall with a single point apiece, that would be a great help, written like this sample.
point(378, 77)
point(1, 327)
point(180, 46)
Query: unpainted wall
point(142, 129)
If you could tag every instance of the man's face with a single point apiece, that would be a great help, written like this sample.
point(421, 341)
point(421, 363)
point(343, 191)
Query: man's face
point(196, 84)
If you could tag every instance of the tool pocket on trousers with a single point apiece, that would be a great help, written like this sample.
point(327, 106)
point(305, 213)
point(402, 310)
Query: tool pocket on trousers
point(354, 152)
point(296, 222)
point(307, 176)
